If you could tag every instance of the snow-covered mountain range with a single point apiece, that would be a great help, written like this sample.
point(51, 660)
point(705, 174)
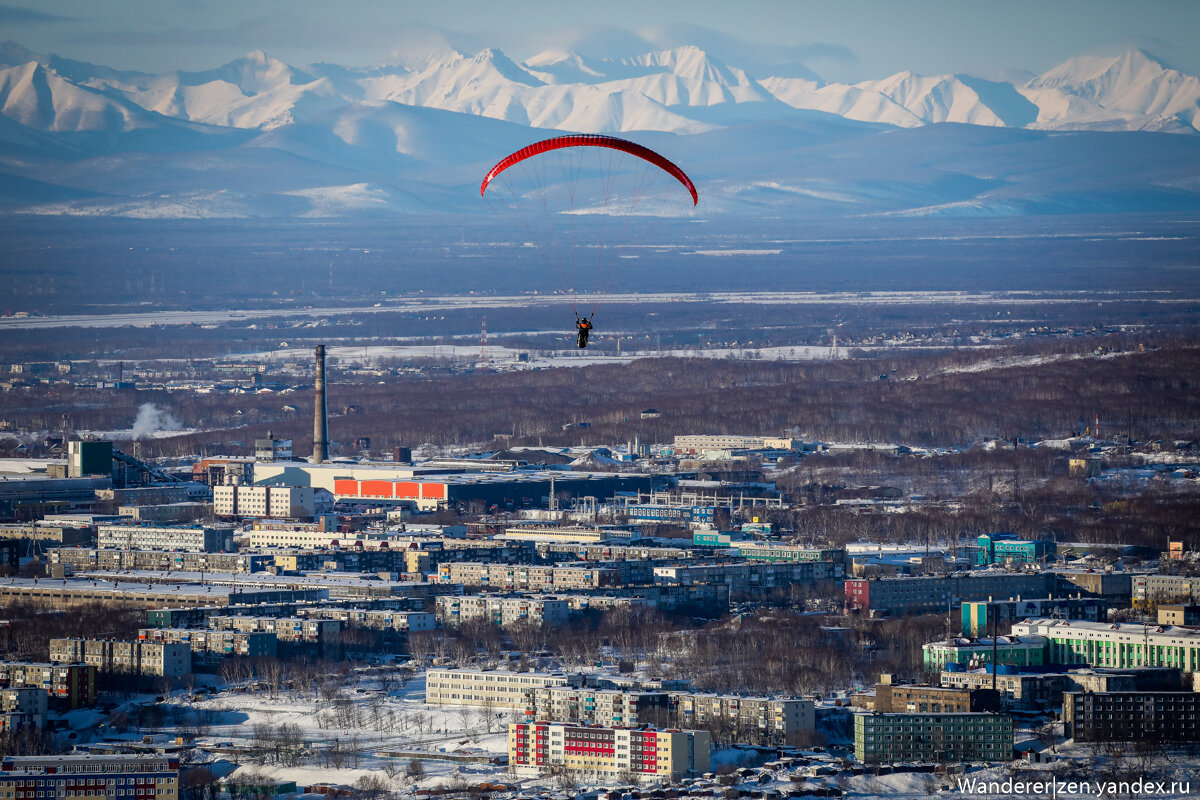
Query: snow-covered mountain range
point(261, 137)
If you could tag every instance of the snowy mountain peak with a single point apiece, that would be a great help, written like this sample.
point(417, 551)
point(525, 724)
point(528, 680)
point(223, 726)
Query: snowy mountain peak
point(563, 67)
point(1133, 85)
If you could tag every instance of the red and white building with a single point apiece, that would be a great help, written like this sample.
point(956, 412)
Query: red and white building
point(645, 753)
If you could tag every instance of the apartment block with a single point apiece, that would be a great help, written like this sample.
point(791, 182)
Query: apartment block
point(197, 539)
point(22, 706)
point(759, 720)
point(749, 577)
point(640, 754)
point(950, 738)
point(117, 777)
point(277, 502)
point(1156, 590)
point(502, 611)
point(1131, 716)
point(526, 577)
point(610, 707)
point(213, 647)
point(494, 688)
point(376, 619)
point(894, 698)
point(81, 559)
point(137, 657)
point(65, 685)
point(937, 594)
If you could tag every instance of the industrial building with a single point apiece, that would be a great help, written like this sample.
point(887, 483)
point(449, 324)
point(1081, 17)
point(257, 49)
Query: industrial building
point(537, 748)
point(430, 488)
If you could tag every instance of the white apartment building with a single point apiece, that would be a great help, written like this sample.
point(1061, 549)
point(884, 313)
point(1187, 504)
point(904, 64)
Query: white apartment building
point(454, 610)
point(461, 687)
point(192, 538)
point(276, 502)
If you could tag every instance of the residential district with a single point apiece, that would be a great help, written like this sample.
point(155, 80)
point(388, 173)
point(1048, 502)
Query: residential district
point(276, 624)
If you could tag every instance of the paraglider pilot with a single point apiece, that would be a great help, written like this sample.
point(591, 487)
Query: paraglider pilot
point(585, 327)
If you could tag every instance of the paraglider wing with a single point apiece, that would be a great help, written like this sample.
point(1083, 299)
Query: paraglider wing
point(593, 140)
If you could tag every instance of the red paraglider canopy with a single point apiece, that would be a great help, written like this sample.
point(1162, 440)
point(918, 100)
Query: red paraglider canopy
point(592, 140)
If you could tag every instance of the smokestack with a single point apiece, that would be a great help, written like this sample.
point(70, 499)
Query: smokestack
point(320, 434)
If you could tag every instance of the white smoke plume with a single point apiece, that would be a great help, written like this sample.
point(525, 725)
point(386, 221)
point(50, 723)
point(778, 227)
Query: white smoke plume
point(151, 419)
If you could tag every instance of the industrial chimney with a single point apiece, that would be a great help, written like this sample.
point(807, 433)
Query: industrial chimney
point(320, 433)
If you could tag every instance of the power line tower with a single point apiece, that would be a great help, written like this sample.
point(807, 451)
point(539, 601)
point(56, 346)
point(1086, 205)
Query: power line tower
point(484, 364)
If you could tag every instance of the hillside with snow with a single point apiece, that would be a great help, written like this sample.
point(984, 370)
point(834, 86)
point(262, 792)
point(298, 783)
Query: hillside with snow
point(259, 138)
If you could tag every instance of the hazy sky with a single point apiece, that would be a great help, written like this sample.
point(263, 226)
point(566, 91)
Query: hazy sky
point(841, 40)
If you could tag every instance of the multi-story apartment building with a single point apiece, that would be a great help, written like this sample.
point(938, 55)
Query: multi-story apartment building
point(91, 559)
point(761, 720)
point(952, 738)
point(1119, 644)
point(494, 688)
point(1022, 651)
point(1131, 716)
point(640, 754)
point(755, 576)
point(137, 658)
point(213, 647)
point(502, 610)
point(196, 538)
point(377, 619)
point(611, 707)
point(1156, 590)
point(66, 685)
point(22, 706)
point(116, 777)
point(937, 594)
point(894, 698)
point(277, 502)
point(526, 577)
